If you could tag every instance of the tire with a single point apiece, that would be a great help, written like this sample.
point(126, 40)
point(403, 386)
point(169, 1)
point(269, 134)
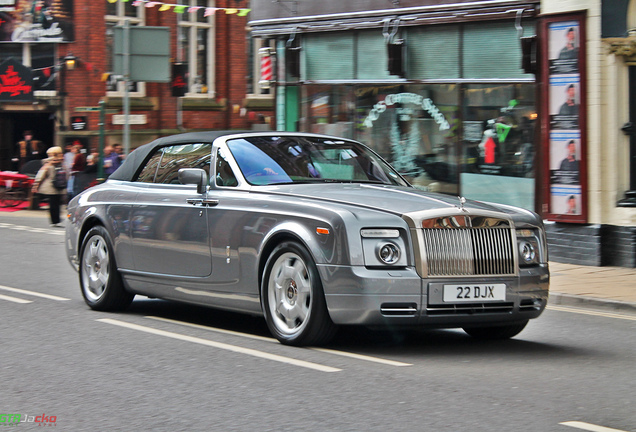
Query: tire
point(100, 282)
point(292, 298)
point(496, 332)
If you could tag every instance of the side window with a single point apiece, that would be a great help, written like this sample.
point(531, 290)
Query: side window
point(224, 174)
point(182, 156)
point(147, 174)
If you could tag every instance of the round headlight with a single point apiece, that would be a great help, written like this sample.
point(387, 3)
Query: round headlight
point(528, 252)
point(388, 253)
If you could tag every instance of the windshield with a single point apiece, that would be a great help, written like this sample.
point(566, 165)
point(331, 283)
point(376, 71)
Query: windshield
point(289, 159)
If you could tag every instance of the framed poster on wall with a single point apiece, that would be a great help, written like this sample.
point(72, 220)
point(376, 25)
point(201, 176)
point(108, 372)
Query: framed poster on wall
point(564, 141)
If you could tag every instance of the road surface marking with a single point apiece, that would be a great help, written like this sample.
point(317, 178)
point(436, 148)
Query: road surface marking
point(223, 346)
point(57, 231)
point(363, 357)
point(592, 312)
point(14, 299)
point(590, 427)
point(269, 339)
point(214, 329)
point(33, 293)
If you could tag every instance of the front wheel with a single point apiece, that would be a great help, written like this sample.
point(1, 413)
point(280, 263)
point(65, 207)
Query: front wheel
point(292, 298)
point(496, 332)
point(101, 284)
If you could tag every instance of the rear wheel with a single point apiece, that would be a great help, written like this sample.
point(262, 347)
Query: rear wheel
point(101, 284)
point(496, 332)
point(293, 299)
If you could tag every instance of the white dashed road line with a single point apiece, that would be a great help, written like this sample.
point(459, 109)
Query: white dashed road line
point(33, 293)
point(590, 427)
point(223, 346)
point(14, 299)
point(54, 231)
point(269, 339)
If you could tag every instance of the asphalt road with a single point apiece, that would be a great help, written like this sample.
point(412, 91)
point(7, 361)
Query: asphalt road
point(167, 367)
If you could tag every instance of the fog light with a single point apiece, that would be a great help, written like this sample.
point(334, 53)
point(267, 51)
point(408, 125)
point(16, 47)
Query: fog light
point(388, 253)
point(528, 253)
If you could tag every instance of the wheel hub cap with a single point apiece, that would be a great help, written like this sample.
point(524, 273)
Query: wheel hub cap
point(292, 292)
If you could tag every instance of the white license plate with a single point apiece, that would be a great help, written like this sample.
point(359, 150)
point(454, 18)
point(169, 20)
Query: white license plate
point(474, 293)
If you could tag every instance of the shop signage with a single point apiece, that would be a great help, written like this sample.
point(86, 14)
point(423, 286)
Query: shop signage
point(405, 114)
point(565, 141)
point(78, 123)
point(37, 21)
point(16, 81)
point(138, 119)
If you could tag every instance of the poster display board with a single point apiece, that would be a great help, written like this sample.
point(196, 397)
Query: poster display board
point(564, 119)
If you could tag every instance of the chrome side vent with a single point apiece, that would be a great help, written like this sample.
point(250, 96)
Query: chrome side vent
point(469, 251)
point(529, 305)
point(398, 309)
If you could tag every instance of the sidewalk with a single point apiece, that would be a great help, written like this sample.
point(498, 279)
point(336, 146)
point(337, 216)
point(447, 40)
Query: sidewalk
point(611, 288)
point(596, 287)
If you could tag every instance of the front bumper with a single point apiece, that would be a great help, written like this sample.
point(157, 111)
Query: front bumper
point(357, 295)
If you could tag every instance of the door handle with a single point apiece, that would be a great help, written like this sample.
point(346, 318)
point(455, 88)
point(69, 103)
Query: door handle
point(210, 202)
point(195, 201)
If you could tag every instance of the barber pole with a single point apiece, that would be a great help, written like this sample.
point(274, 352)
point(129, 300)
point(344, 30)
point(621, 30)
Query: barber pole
point(267, 71)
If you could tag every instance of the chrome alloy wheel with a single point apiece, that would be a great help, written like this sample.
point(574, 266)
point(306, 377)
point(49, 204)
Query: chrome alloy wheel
point(95, 271)
point(289, 294)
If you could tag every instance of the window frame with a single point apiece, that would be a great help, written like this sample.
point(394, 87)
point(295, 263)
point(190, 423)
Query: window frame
point(162, 152)
point(190, 58)
point(119, 20)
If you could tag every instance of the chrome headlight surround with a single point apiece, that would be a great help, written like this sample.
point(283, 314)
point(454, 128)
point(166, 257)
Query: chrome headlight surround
point(383, 247)
point(388, 253)
point(530, 248)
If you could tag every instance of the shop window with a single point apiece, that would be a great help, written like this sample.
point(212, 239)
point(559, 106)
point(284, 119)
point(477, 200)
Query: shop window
point(328, 110)
point(372, 60)
point(414, 128)
point(498, 152)
point(42, 62)
point(329, 56)
point(117, 14)
point(196, 47)
point(493, 50)
point(433, 52)
point(38, 56)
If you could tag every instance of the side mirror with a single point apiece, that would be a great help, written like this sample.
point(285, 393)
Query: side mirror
point(195, 176)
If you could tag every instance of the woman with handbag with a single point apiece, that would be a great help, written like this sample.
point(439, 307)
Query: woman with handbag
point(51, 181)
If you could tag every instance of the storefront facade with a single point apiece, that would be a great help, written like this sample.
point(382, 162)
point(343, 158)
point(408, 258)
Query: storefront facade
point(448, 104)
point(602, 228)
point(521, 103)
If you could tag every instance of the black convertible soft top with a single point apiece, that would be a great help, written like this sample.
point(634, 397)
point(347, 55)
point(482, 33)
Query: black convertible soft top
point(133, 161)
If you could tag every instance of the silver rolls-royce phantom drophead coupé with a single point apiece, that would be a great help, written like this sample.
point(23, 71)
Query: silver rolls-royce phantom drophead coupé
point(311, 232)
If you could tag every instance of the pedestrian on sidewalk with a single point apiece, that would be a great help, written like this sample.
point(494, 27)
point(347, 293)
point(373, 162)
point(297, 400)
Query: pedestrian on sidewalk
point(51, 181)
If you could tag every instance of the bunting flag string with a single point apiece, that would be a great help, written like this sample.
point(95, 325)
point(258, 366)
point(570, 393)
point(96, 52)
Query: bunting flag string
point(177, 8)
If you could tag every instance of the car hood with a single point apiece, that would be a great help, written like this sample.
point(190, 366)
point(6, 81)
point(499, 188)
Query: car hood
point(394, 199)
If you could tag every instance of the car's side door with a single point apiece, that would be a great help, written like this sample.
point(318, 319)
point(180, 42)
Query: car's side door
point(169, 226)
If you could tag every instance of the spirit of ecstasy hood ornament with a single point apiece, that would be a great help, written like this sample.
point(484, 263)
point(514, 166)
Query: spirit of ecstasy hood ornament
point(462, 201)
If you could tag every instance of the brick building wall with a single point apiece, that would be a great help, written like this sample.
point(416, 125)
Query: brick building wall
point(83, 86)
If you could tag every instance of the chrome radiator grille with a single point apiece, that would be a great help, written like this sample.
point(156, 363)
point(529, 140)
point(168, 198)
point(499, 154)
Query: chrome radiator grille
point(469, 251)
